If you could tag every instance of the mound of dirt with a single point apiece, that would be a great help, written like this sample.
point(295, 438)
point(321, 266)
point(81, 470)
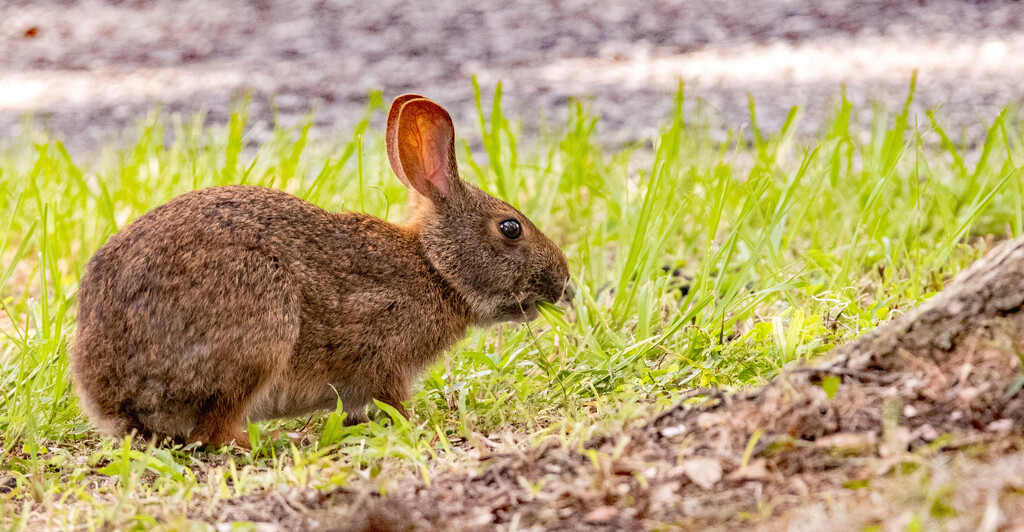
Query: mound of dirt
point(945, 377)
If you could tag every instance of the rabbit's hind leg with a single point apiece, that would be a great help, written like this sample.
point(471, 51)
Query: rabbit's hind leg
point(246, 365)
point(220, 416)
point(251, 326)
point(250, 359)
point(220, 423)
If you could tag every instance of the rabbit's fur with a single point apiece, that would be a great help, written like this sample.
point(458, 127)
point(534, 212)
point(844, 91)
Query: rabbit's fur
point(242, 302)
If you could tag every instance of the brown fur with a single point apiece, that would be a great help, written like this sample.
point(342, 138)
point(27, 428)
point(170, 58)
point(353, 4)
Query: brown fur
point(235, 302)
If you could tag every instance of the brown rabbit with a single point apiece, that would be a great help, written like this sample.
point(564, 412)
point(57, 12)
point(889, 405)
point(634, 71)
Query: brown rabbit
point(242, 302)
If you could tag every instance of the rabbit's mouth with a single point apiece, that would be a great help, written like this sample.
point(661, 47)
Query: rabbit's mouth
point(527, 310)
point(519, 310)
point(522, 307)
point(526, 307)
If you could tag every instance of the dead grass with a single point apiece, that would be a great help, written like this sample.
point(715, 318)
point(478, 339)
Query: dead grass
point(909, 440)
point(896, 440)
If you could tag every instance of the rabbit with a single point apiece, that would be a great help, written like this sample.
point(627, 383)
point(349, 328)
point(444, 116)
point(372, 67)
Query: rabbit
point(242, 302)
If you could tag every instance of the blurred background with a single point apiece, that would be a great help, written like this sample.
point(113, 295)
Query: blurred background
point(87, 69)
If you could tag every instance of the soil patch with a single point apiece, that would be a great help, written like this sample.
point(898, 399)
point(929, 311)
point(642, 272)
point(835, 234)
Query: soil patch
point(925, 411)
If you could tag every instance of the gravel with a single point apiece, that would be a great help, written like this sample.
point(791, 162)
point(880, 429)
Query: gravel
point(87, 69)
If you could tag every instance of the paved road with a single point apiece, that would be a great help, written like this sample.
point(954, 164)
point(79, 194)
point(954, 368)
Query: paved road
point(89, 68)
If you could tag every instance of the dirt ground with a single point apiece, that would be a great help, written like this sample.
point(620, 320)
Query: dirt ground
point(915, 425)
point(928, 428)
point(89, 68)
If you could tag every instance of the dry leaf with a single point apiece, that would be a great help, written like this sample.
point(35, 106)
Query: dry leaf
point(704, 472)
point(847, 440)
point(757, 469)
point(664, 493)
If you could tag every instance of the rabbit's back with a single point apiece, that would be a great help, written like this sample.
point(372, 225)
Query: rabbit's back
point(189, 306)
point(192, 305)
point(255, 299)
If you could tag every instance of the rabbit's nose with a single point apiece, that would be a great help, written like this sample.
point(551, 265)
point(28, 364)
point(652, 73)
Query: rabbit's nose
point(569, 292)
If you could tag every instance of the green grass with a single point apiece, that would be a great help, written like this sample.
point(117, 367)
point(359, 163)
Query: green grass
point(790, 246)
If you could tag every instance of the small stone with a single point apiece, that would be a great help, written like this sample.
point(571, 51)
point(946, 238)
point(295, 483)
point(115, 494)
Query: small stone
point(926, 432)
point(672, 432)
point(1000, 425)
point(707, 420)
point(601, 514)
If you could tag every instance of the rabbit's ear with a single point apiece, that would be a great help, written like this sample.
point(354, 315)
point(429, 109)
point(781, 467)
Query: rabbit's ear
point(391, 137)
point(421, 145)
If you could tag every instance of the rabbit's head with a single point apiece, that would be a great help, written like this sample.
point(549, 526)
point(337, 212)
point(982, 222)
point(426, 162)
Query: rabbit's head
point(485, 248)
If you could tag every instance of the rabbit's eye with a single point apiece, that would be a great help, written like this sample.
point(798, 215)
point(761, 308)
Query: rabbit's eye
point(510, 228)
